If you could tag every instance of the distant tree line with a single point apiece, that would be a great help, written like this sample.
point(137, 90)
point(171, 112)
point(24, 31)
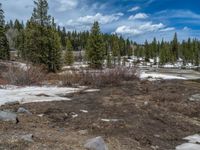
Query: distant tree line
point(170, 52)
point(41, 41)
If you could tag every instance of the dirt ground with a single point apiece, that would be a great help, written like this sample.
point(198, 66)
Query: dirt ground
point(143, 116)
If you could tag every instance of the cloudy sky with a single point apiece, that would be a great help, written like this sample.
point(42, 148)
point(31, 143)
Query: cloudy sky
point(135, 19)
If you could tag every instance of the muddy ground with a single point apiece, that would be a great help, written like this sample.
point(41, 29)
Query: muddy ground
point(150, 116)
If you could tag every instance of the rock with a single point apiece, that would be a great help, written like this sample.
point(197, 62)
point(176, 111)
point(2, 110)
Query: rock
point(24, 111)
point(8, 116)
point(83, 132)
point(195, 97)
point(146, 103)
point(27, 137)
point(96, 144)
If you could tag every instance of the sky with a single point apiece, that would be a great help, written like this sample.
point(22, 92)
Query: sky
point(138, 20)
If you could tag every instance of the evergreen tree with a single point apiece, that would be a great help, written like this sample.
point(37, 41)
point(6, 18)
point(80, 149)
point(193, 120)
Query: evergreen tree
point(40, 13)
point(147, 55)
point(4, 46)
point(129, 48)
point(69, 57)
point(109, 60)
point(175, 48)
point(43, 44)
point(95, 50)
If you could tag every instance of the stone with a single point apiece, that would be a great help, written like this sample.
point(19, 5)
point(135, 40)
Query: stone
point(24, 111)
point(83, 132)
point(96, 144)
point(8, 116)
point(195, 97)
point(27, 137)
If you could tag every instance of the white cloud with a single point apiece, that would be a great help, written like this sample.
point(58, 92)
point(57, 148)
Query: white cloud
point(138, 29)
point(138, 16)
point(89, 19)
point(134, 9)
point(178, 14)
point(167, 29)
point(65, 5)
point(186, 28)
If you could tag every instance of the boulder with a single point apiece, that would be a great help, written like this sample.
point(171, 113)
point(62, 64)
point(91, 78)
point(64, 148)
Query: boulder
point(96, 144)
point(8, 116)
point(24, 111)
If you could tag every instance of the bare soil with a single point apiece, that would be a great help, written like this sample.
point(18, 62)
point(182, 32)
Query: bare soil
point(150, 116)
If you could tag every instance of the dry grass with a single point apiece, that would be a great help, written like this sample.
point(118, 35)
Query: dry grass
point(98, 78)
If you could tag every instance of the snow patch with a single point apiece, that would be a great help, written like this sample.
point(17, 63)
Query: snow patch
point(193, 143)
point(34, 94)
point(157, 76)
point(84, 111)
point(188, 146)
point(92, 90)
point(110, 120)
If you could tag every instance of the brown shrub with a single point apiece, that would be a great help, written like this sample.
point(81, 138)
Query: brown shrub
point(30, 75)
point(98, 78)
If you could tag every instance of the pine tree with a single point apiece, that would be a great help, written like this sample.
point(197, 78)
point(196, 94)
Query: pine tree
point(54, 51)
point(175, 48)
point(41, 38)
point(163, 54)
point(147, 55)
point(129, 48)
point(40, 13)
point(109, 60)
point(4, 46)
point(69, 57)
point(95, 49)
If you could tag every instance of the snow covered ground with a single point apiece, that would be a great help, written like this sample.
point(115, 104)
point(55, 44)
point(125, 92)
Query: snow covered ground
point(193, 143)
point(167, 74)
point(156, 76)
point(30, 94)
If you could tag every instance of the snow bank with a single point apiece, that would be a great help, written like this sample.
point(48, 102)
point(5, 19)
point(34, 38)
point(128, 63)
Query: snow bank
point(34, 94)
point(157, 76)
point(193, 143)
point(76, 65)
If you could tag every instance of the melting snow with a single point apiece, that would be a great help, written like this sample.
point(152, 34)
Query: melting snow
point(193, 143)
point(110, 120)
point(84, 111)
point(33, 94)
point(155, 76)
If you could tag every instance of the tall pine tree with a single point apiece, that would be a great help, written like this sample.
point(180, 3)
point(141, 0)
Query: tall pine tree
point(69, 57)
point(4, 46)
point(95, 50)
point(42, 40)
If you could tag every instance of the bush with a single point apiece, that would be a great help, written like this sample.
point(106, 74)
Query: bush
point(98, 78)
point(29, 75)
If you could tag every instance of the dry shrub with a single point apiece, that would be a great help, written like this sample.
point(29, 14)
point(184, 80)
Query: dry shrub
point(30, 75)
point(98, 78)
point(164, 96)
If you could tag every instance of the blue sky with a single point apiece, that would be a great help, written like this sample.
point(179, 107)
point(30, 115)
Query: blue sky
point(135, 19)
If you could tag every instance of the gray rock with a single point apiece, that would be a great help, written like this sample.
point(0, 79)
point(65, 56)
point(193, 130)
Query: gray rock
point(24, 111)
point(195, 97)
point(8, 116)
point(96, 144)
point(27, 137)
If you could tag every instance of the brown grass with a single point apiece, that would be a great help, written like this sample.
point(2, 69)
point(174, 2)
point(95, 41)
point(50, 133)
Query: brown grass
point(31, 75)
